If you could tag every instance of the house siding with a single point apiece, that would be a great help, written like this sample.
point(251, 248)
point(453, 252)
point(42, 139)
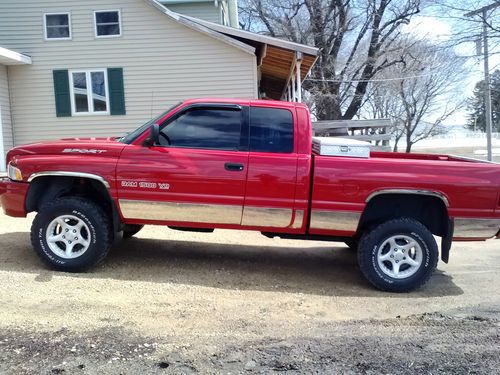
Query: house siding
point(163, 62)
point(206, 11)
point(5, 110)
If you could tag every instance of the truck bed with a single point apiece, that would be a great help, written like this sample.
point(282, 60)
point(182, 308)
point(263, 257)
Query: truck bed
point(345, 184)
point(417, 156)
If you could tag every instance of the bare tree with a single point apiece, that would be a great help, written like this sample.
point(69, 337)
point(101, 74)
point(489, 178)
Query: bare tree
point(457, 10)
point(382, 102)
point(418, 94)
point(468, 29)
point(354, 37)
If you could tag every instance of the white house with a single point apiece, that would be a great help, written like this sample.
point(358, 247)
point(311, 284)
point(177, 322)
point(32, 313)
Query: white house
point(97, 68)
point(224, 12)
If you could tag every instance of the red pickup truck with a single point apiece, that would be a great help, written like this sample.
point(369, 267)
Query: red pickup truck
point(249, 165)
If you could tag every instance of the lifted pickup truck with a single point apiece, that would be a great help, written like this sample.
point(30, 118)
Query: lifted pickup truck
point(249, 165)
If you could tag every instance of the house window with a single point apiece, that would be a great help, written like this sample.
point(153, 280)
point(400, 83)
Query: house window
point(107, 23)
point(57, 26)
point(88, 90)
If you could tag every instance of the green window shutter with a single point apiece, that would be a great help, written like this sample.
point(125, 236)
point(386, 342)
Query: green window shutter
point(62, 94)
point(116, 91)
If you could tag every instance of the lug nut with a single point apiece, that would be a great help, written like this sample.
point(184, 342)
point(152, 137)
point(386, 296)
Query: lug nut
point(76, 239)
point(69, 242)
point(74, 230)
point(392, 256)
point(67, 230)
point(64, 237)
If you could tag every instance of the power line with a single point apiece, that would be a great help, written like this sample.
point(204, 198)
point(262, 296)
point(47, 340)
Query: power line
point(369, 80)
point(384, 79)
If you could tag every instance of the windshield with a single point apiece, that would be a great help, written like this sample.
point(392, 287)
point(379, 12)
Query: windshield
point(130, 137)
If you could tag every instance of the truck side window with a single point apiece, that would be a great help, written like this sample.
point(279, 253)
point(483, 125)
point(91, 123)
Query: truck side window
point(271, 130)
point(205, 128)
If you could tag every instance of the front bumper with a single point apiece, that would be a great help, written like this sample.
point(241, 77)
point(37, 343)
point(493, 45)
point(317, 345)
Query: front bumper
point(13, 197)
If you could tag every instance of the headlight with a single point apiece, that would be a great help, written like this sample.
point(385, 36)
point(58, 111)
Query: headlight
point(14, 173)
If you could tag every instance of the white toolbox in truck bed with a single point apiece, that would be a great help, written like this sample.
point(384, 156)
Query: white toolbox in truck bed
point(333, 146)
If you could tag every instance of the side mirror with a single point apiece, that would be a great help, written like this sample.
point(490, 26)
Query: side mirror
point(154, 136)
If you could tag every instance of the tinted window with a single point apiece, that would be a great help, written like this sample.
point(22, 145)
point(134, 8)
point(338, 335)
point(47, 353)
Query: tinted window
point(217, 129)
point(131, 137)
point(271, 130)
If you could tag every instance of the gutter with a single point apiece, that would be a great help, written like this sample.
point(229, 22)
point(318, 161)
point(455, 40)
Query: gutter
point(197, 26)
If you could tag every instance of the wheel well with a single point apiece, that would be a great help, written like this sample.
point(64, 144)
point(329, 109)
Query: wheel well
point(431, 211)
point(47, 188)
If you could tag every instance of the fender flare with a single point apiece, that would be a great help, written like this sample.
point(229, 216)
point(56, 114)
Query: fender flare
point(430, 193)
point(70, 174)
point(446, 240)
point(115, 215)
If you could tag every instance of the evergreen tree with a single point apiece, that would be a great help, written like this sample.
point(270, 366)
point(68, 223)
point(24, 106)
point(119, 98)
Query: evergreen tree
point(476, 118)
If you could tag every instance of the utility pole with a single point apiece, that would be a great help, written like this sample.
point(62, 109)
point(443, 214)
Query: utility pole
point(487, 92)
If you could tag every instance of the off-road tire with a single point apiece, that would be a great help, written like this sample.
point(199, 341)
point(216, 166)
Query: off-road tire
point(129, 230)
point(87, 211)
point(369, 246)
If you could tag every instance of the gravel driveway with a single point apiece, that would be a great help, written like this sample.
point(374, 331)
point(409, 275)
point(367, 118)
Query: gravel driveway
point(237, 302)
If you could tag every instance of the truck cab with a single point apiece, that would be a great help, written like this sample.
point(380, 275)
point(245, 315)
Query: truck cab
point(224, 165)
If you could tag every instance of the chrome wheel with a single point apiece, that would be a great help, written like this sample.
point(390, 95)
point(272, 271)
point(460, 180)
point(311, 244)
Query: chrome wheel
point(400, 256)
point(68, 236)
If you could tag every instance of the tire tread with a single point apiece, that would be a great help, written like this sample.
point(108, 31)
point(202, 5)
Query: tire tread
point(366, 268)
point(102, 221)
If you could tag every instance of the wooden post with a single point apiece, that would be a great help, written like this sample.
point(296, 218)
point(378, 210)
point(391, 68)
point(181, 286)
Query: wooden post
point(299, 81)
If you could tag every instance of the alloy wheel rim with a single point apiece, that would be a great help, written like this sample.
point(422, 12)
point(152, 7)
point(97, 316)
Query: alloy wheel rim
point(400, 256)
point(68, 236)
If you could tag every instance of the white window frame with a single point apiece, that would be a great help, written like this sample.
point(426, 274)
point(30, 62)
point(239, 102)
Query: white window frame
point(90, 99)
point(119, 23)
point(70, 37)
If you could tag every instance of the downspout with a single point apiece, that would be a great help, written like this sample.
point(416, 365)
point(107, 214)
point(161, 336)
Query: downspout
point(11, 112)
point(233, 14)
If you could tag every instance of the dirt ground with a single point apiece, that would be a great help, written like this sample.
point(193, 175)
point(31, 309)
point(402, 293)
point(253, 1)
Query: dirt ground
point(236, 302)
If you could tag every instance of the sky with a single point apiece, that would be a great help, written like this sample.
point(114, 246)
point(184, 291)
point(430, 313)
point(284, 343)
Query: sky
point(437, 28)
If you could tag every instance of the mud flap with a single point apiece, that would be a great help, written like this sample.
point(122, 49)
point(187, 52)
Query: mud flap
point(446, 241)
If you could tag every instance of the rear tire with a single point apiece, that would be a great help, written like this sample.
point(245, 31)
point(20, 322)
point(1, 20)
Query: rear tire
point(71, 234)
point(129, 230)
point(399, 255)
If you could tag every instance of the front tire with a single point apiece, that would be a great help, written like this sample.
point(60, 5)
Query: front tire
point(71, 234)
point(399, 255)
